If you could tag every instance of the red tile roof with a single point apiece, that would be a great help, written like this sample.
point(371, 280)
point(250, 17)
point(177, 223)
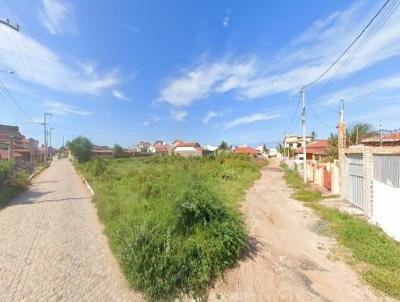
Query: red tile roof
point(183, 144)
point(316, 147)
point(394, 137)
point(246, 150)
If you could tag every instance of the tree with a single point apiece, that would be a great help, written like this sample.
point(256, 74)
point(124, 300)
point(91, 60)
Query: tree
point(314, 134)
point(333, 148)
point(265, 149)
point(357, 132)
point(223, 146)
point(80, 148)
point(117, 151)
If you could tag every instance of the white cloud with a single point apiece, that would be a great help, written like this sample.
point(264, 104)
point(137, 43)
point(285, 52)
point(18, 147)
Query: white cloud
point(146, 123)
point(119, 95)
point(206, 79)
point(34, 62)
point(384, 88)
point(56, 16)
point(212, 114)
point(225, 21)
point(179, 115)
point(252, 118)
point(294, 66)
point(59, 108)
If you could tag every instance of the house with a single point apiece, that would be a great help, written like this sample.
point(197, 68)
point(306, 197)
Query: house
point(246, 151)
point(273, 152)
point(22, 148)
point(143, 147)
point(189, 149)
point(101, 152)
point(316, 150)
point(161, 148)
point(263, 150)
point(392, 139)
point(295, 141)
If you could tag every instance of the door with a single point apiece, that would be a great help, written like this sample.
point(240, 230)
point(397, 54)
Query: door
point(355, 180)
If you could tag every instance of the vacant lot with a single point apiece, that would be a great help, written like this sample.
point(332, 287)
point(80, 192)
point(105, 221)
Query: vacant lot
point(173, 223)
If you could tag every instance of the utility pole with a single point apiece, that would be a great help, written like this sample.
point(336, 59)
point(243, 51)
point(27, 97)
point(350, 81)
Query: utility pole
point(381, 132)
point(303, 125)
point(51, 145)
point(284, 144)
point(45, 135)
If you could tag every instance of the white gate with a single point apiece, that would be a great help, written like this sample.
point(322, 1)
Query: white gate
point(355, 180)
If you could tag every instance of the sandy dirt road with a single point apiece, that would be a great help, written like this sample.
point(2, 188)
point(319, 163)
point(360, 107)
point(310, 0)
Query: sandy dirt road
point(289, 260)
point(52, 247)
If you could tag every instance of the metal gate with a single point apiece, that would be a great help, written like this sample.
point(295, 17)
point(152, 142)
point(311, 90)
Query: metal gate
point(355, 180)
point(327, 178)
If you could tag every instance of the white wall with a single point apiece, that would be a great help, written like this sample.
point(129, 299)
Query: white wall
point(386, 208)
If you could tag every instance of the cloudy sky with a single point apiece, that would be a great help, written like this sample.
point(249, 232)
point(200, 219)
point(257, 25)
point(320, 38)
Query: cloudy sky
point(125, 71)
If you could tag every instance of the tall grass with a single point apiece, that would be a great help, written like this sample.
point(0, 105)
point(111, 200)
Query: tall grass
point(374, 254)
point(172, 222)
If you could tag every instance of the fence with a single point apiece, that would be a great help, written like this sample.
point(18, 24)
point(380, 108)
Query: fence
point(372, 183)
point(325, 175)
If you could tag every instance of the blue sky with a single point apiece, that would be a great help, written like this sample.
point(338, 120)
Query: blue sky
point(125, 71)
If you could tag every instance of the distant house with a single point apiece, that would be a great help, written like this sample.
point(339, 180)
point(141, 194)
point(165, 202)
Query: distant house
point(296, 141)
point(189, 149)
point(161, 148)
point(143, 147)
point(177, 142)
point(246, 151)
point(317, 150)
point(273, 152)
point(392, 139)
point(101, 152)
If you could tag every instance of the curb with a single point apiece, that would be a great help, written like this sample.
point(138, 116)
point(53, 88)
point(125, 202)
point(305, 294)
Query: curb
point(86, 183)
point(34, 174)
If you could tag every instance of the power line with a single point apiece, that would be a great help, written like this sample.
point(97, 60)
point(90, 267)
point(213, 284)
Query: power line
point(15, 101)
point(293, 117)
point(366, 39)
point(348, 47)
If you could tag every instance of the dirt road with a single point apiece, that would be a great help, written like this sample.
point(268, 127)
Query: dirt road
point(52, 247)
point(289, 260)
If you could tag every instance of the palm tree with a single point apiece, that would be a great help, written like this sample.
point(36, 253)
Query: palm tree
point(357, 132)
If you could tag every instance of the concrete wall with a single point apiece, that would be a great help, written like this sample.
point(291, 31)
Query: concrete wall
point(386, 208)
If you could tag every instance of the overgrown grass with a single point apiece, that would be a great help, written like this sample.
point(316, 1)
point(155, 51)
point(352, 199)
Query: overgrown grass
point(172, 222)
point(373, 253)
point(12, 186)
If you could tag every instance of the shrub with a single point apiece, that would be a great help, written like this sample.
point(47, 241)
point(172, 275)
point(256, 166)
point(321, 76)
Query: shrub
point(80, 147)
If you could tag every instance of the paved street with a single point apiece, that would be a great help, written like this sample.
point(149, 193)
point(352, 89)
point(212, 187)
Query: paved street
point(52, 247)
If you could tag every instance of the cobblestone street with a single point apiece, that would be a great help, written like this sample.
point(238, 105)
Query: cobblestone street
point(52, 247)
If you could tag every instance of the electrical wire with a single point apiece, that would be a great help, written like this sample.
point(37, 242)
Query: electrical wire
point(366, 39)
point(9, 94)
point(348, 47)
point(293, 117)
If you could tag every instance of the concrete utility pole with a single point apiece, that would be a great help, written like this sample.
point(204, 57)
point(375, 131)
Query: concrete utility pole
point(51, 145)
point(381, 132)
point(303, 125)
point(284, 144)
point(45, 135)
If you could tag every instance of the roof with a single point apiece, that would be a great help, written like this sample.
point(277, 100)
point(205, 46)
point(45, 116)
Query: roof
point(191, 144)
point(393, 137)
point(161, 148)
point(317, 147)
point(246, 150)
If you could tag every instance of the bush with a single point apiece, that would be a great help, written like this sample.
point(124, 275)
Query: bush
point(80, 148)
